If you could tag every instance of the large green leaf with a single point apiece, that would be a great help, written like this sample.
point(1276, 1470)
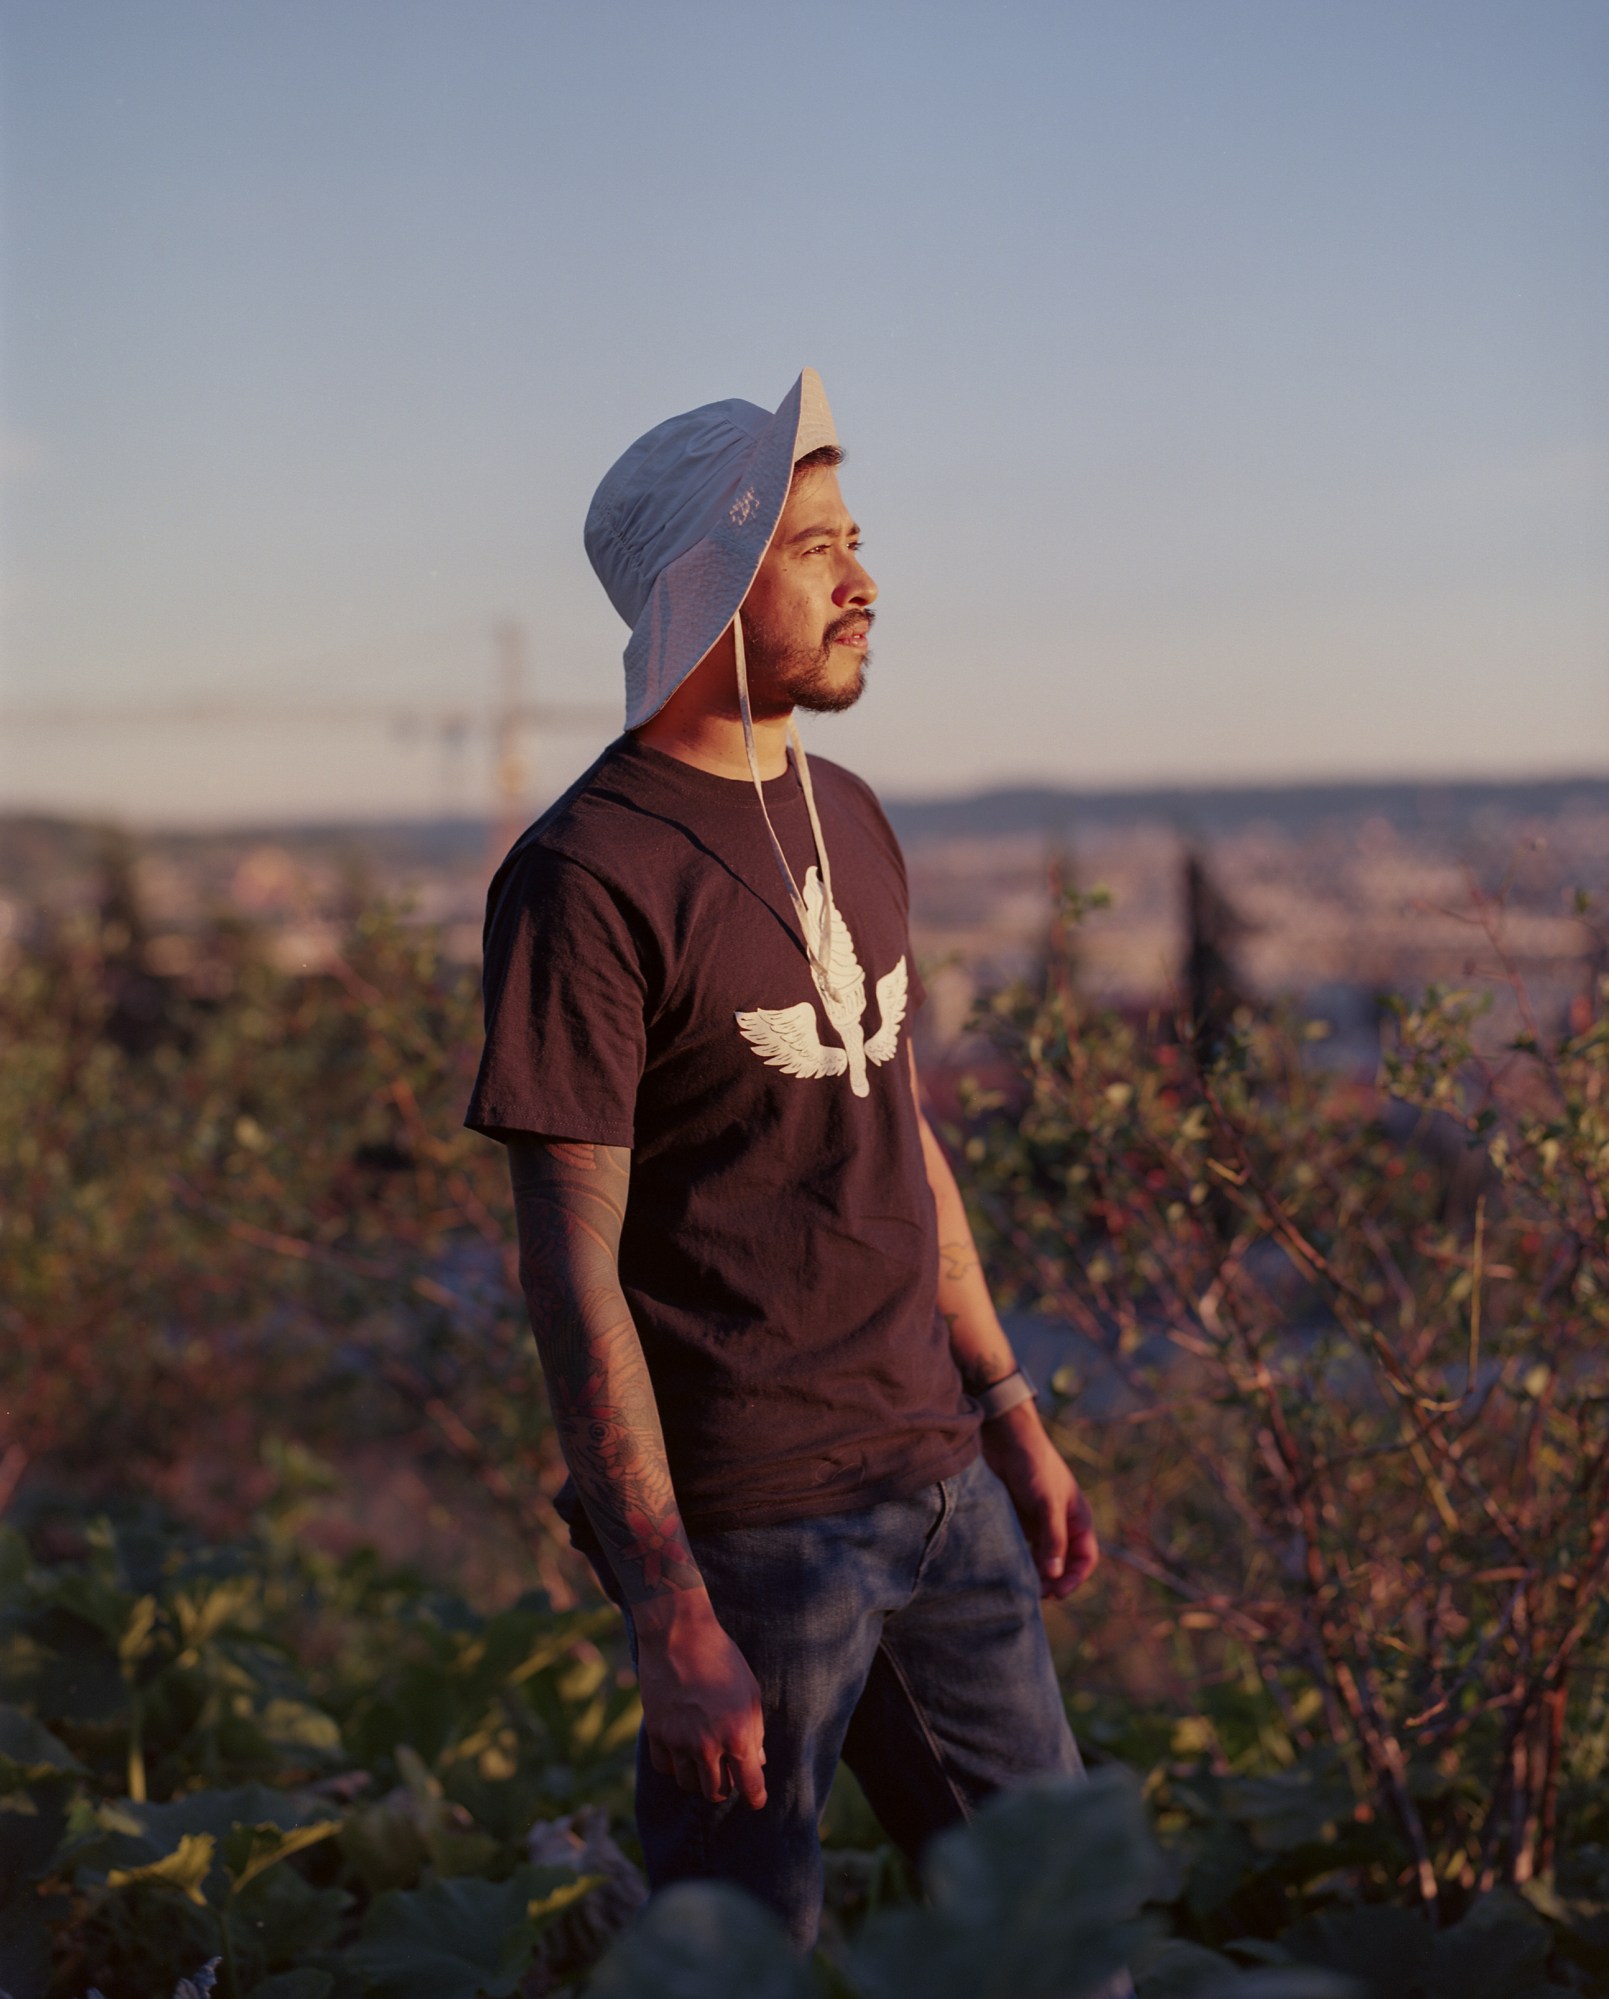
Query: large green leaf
point(24, 1946)
point(185, 1868)
point(702, 1940)
point(72, 1672)
point(301, 1732)
point(251, 1850)
point(28, 1749)
point(279, 1920)
point(1499, 1951)
point(1175, 1969)
point(97, 1601)
point(305, 1984)
point(33, 1825)
point(16, 1564)
point(1288, 1809)
point(133, 1835)
point(463, 1939)
point(384, 1843)
point(1035, 1899)
point(1387, 1950)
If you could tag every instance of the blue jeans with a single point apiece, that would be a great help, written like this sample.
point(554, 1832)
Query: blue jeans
point(906, 1639)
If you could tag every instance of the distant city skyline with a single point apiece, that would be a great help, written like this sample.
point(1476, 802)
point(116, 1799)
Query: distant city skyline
point(1223, 386)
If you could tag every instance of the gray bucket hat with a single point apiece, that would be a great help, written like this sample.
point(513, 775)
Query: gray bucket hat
point(682, 520)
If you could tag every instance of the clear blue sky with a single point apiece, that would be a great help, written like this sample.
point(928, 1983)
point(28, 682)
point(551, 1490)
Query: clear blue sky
point(1226, 382)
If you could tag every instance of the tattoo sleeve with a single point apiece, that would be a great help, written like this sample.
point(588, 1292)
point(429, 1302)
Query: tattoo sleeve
point(569, 1204)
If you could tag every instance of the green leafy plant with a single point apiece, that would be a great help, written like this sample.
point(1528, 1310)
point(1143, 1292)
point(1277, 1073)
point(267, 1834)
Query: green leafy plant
point(407, 1770)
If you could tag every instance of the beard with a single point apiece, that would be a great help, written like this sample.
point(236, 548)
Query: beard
point(805, 677)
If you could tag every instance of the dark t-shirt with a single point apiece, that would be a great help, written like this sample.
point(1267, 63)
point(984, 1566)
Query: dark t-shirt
point(646, 986)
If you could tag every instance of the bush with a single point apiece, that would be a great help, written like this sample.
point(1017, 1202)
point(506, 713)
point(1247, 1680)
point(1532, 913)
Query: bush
point(1361, 1442)
point(263, 1221)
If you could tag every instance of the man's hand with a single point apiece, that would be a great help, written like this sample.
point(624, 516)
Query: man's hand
point(700, 1702)
point(1055, 1515)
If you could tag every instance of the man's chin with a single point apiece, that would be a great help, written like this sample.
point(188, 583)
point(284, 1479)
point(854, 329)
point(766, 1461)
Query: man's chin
point(823, 693)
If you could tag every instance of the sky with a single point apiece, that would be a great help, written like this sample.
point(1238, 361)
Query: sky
point(1224, 381)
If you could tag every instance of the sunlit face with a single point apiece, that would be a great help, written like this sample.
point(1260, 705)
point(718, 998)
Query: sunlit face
point(808, 616)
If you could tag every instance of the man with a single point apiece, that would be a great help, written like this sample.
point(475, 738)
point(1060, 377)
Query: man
point(802, 1457)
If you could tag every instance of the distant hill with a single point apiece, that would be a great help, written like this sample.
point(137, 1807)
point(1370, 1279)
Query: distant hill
point(1425, 808)
point(35, 846)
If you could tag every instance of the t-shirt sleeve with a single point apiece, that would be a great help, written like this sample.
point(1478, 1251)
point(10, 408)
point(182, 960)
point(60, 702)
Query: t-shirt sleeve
point(565, 1002)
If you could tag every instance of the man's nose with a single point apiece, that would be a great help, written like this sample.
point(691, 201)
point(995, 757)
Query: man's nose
point(855, 586)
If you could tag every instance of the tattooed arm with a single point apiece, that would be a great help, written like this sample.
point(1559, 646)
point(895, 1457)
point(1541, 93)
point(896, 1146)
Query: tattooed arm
point(1055, 1515)
point(701, 1704)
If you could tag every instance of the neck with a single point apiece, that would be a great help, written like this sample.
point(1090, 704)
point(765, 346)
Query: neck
point(702, 725)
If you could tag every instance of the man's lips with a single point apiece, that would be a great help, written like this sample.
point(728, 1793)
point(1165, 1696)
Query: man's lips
point(849, 635)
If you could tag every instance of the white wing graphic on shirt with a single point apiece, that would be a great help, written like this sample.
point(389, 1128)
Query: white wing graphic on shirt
point(892, 990)
point(789, 1039)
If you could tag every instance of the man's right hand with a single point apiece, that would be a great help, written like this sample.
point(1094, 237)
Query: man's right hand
point(700, 1702)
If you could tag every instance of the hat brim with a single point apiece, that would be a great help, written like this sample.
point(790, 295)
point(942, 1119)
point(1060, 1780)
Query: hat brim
point(697, 596)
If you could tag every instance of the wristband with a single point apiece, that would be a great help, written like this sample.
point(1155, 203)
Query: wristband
point(1006, 1394)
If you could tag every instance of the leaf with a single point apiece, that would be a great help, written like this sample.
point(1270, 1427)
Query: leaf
point(135, 1639)
point(31, 1838)
point(135, 1834)
point(24, 1947)
point(304, 1984)
point(1175, 1969)
point(97, 1602)
point(1292, 1808)
point(463, 1939)
point(1497, 1953)
point(74, 1674)
point(1035, 1899)
point(251, 1850)
point(1295, 1981)
point(702, 1940)
point(30, 1749)
point(185, 1868)
point(15, 1563)
point(384, 1843)
point(1388, 1950)
point(281, 1919)
point(414, 1772)
point(300, 1729)
point(1220, 1857)
point(543, 1909)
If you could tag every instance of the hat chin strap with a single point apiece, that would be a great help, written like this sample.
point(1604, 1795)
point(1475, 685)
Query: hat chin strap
point(817, 949)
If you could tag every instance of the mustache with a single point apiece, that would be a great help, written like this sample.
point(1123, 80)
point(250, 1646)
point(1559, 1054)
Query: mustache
point(855, 619)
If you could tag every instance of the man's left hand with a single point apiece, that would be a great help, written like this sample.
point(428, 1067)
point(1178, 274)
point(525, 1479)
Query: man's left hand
point(1055, 1515)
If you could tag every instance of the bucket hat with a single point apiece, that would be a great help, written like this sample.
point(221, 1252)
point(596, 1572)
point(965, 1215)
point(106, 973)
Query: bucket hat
point(681, 521)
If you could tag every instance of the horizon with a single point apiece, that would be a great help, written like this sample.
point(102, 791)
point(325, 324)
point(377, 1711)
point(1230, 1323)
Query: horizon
point(1226, 790)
